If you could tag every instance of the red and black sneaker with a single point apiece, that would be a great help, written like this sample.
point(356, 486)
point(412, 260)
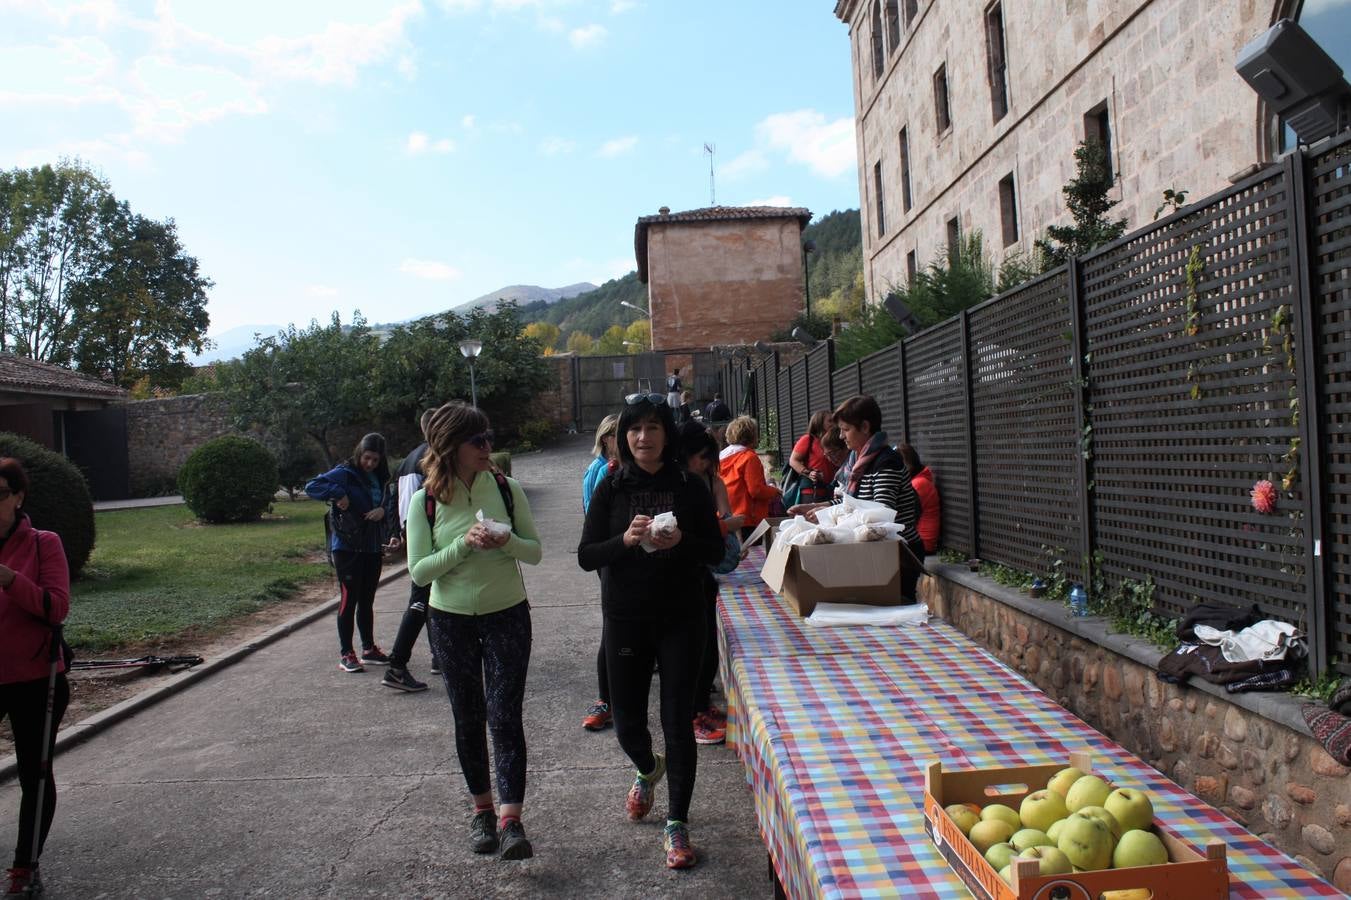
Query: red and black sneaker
point(597, 716)
point(350, 663)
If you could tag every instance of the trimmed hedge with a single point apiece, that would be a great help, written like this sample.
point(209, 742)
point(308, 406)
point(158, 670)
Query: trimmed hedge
point(58, 497)
point(229, 479)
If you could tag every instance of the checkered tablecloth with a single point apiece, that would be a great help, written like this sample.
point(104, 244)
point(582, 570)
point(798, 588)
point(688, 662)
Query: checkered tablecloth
point(836, 727)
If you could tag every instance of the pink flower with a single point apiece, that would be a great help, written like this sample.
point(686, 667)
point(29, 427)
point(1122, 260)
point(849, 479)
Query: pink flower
point(1264, 496)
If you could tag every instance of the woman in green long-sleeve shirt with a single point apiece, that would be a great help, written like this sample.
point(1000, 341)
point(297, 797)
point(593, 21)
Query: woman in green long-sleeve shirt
point(479, 619)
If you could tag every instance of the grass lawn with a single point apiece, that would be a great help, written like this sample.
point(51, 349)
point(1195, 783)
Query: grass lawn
point(156, 573)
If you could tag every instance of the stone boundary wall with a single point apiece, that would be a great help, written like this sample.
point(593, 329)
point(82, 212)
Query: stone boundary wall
point(1264, 771)
point(161, 435)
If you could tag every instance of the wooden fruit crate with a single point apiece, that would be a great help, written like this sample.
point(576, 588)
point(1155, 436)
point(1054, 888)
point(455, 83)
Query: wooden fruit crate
point(1186, 876)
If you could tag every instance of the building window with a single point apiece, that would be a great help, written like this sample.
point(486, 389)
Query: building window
point(954, 240)
point(911, 267)
point(907, 199)
point(879, 52)
point(893, 26)
point(1008, 209)
point(941, 109)
point(881, 207)
point(911, 13)
point(998, 60)
point(1098, 127)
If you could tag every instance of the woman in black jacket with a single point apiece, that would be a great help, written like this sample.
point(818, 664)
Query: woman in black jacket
point(876, 472)
point(358, 525)
point(652, 604)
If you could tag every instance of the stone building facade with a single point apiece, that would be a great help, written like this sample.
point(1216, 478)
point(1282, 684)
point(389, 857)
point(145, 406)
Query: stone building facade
point(721, 275)
point(968, 114)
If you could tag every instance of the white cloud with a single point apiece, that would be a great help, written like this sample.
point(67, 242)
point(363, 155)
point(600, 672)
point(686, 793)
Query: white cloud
point(622, 6)
point(776, 200)
point(827, 148)
point(171, 97)
point(419, 142)
point(429, 269)
point(407, 66)
point(618, 146)
point(469, 122)
point(745, 164)
point(587, 36)
point(337, 53)
point(320, 291)
point(555, 146)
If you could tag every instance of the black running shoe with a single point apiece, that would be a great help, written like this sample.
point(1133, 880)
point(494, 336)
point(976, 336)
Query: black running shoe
point(515, 845)
point(402, 680)
point(483, 832)
point(374, 656)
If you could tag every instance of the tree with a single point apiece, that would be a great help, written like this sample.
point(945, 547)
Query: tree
point(611, 343)
point(312, 381)
point(144, 306)
point(50, 241)
point(547, 333)
point(1088, 203)
point(640, 333)
point(580, 342)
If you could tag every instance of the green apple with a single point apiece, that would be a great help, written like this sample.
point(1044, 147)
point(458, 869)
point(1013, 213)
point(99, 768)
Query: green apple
point(1040, 808)
point(985, 835)
point(1002, 813)
point(1098, 812)
point(1139, 848)
point(1061, 781)
point(961, 816)
point(1053, 862)
point(1030, 837)
point(1054, 831)
point(1087, 791)
point(1086, 841)
point(1006, 873)
point(1132, 808)
point(1000, 855)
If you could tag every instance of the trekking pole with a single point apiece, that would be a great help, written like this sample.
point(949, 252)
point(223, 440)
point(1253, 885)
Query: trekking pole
point(54, 656)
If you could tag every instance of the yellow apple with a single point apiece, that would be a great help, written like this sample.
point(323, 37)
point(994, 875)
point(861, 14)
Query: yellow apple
point(1040, 808)
point(1052, 860)
point(961, 816)
point(1087, 791)
point(1030, 837)
point(1054, 831)
point(1061, 781)
point(1132, 808)
point(1086, 841)
point(1000, 855)
point(1098, 812)
point(986, 834)
point(1003, 814)
point(1006, 873)
point(1139, 848)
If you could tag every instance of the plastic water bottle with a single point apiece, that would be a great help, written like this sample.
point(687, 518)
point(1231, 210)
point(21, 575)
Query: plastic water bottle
point(1078, 600)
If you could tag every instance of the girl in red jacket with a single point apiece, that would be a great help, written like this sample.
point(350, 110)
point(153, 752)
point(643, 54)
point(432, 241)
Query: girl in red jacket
point(34, 597)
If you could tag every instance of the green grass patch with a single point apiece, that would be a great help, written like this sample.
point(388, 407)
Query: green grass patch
point(157, 573)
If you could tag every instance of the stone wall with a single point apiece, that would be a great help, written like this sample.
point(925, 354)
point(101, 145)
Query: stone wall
point(1180, 116)
point(161, 435)
point(1264, 771)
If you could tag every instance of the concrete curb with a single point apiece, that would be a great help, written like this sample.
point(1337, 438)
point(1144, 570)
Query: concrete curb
point(83, 731)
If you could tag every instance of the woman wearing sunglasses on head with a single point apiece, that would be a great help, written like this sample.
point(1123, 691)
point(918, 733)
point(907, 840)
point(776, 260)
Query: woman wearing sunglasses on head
point(478, 617)
point(652, 604)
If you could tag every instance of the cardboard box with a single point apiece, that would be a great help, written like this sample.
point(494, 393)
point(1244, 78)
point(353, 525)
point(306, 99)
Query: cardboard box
point(1186, 876)
point(868, 573)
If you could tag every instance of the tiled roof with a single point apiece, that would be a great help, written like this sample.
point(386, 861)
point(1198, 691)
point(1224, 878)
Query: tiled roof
point(28, 376)
point(710, 214)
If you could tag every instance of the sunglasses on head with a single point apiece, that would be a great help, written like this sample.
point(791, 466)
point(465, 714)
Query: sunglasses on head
point(482, 441)
point(654, 399)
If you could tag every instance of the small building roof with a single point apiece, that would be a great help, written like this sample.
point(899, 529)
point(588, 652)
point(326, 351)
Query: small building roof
point(21, 375)
point(710, 214)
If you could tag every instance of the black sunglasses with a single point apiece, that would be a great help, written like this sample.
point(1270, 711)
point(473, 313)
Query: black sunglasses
point(654, 399)
point(482, 441)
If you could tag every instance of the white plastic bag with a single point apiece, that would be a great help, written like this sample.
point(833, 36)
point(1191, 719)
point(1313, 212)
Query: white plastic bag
point(662, 524)
point(497, 529)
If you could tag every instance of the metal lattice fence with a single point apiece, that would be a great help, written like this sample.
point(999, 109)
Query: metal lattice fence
point(935, 385)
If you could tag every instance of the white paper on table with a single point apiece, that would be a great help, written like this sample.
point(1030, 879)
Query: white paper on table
point(857, 614)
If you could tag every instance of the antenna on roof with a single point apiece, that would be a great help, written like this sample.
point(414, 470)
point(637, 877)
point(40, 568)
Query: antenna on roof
point(710, 149)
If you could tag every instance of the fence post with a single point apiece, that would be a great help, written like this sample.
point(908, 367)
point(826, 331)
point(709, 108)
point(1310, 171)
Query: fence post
point(905, 396)
point(1078, 373)
point(830, 374)
point(973, 520)
point(1311, 423)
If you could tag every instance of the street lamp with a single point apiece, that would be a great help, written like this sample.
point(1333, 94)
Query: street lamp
point(808, 248)
point(632, 306)
point(470, 350)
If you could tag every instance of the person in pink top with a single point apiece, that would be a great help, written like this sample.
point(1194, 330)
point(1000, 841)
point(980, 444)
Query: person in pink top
point(811, 461)
point(922, 480)
point(34, 598)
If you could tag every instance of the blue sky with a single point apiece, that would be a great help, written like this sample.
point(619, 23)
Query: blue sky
point(403, 156)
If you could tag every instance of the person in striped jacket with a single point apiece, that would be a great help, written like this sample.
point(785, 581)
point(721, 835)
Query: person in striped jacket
point(877, 473)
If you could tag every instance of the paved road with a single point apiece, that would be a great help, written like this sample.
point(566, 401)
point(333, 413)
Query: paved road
point(284, 777)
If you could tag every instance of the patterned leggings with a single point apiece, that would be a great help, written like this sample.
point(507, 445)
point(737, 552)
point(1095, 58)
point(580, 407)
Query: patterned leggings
point(484, 661)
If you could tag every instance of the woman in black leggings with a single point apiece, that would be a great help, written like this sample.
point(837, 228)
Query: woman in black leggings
point(652, 603)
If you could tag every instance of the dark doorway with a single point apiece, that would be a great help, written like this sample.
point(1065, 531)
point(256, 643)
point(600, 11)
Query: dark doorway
point(96, 442)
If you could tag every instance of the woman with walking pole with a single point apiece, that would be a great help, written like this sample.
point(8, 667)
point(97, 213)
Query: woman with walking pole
point(34, 600)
